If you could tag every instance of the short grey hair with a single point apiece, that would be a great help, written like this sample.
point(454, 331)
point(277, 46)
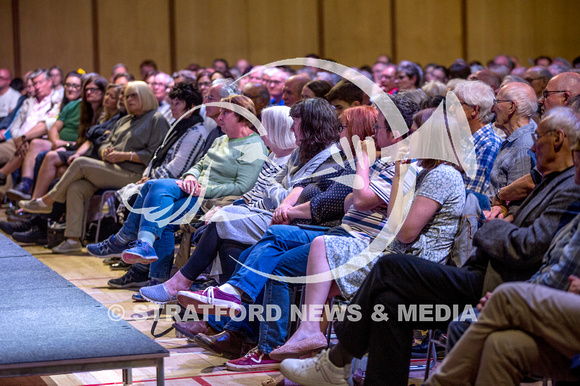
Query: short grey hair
point(526, 105)
point(270, 71)
point(563, 118)
point(40, 71)
point(228, 88)
point(188, 75)
point(411, 69)
point(479, 94)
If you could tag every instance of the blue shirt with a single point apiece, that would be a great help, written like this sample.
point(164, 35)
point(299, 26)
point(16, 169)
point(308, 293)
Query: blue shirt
point(487, 144)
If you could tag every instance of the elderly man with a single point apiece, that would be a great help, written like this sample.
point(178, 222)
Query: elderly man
point(560, 90)
point(293, 89)
point(259, 94)
point(34, 118)
point(378, 69)
point(514, 106)
point(487, 77)
point(158, 81)
point(387, 79)
point(477, 99)
point(502, 346)
point(8, 96)
point(274, 79)
point(538, 77)
point(506, 251)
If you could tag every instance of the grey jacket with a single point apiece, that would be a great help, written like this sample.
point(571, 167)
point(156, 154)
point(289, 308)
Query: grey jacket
point(513, 251)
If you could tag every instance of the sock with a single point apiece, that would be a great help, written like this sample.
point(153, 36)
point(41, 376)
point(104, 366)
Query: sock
point(120, 239)
point(148, 237)
point(338, 356)
point(230, 289)
point(27, 184)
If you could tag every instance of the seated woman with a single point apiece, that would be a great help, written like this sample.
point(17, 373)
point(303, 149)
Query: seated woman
point(230, 167)
point(63, 131)
point(427, 232)
point(125, 152)
point(56, 161)
point(236, 227)
point(315, 89)
point(281, 142)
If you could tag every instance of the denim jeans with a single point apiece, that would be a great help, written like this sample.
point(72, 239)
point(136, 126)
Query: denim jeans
point(282, 251)
point(165, 196)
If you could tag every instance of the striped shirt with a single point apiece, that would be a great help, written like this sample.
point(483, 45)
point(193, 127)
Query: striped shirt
point(271, 168)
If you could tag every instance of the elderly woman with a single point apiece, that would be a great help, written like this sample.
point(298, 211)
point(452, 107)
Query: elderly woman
point(124, 155)
point(230, 167)
point(281, 142)
point(409, 76)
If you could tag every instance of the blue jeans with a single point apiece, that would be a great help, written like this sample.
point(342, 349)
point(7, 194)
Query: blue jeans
point(282, 251)
point(163, 195)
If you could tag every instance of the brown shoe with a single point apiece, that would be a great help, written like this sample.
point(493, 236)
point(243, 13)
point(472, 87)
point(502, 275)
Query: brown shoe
point(228, 344)
point(191, 329)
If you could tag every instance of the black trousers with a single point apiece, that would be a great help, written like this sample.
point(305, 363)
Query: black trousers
point(395, 285)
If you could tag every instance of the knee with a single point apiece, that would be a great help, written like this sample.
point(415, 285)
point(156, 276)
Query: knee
point(52, 157)
point(37, 145)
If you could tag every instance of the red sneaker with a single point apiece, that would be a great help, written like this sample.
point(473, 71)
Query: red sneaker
point(254, 360)
point(212, 296)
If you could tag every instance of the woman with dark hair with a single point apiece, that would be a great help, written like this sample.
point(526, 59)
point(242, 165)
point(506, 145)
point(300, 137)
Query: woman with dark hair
point(316, 129)
point(57, 160)
point(203, 82)
point(315, 89)
point(230, 167)
point(125, 153)
point(409, 76)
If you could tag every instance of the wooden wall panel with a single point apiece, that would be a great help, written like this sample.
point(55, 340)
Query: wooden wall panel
point(428, 31)
point(131, 31)
point(279, 29)
point(7, 46)
point(357, 32)
point(56, 32)
point(206, 30)
point(525, 28)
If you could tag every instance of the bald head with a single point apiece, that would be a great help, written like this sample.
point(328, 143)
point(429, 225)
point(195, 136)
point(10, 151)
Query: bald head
point(258, 93)
point(293, 89)
point(560, 90)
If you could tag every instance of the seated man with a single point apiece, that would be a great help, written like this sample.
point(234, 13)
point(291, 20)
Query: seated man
point(8, 96)
point(507, 250)
point(34, 117)
point(524, 329)
point(344, 95)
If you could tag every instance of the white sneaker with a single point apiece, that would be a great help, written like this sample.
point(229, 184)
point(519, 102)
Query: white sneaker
point(65, 247)
point(317, 371)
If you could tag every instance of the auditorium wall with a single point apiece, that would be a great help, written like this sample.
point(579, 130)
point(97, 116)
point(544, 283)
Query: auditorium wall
point(95, 34)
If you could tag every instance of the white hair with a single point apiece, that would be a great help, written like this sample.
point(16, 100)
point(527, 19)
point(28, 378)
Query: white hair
point(526, 103)
point(277, 121)
point(479, 94)
point(434, 87)
point(565, 119)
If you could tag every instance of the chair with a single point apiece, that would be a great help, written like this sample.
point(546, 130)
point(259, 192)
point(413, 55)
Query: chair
point(106, 196)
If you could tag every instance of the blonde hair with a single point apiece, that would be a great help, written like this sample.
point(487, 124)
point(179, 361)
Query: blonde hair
point(146, 97)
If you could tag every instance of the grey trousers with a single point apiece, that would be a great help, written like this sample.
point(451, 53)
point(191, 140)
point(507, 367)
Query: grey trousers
point(81, 180)
point(524, 329)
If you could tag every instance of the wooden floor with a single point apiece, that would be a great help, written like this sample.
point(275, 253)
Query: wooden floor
point(187, 365)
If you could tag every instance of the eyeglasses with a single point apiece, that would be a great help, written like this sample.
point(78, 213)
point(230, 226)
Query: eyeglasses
point(498, 101)
point(155, 84)
point(204, 84)
point(92, 89)
point(376, 127)
point(546, 93)
point(536, 136)
point(72, 86)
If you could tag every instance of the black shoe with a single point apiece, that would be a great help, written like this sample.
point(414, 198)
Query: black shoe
point(9, 227)
point(419, 351)
point(19, 216)
point(36, 235)
point(22, 191)
point(111, 260)
point(120, 266)
point(134, 278)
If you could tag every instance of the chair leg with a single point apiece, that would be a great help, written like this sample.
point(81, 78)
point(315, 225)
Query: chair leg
point(431, 353)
